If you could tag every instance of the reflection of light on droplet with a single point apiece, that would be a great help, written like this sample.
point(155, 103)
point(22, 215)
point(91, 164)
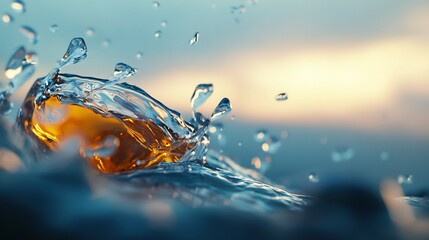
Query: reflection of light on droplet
point(265, 147)
point(9, 161)
point(408, 179)
point(6, 18)
point(256, 162)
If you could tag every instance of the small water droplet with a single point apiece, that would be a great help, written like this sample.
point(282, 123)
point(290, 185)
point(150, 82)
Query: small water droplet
point(76, 52)
point(106, 42)
point(18, 6)
point(7, 18)
point(195, 39)
point(281, 97)
point(408, 179)
point(157, 34)
point(342, 153)
point(89, 32)
point(164, 24)
point(20, 67)
point(123, 71)
point(139, 55)
point(262, 165)
point(29, 33)
point(222, 109)
point(201, 93)
point(313, 178)
point(53, 28)
point(216, 128)
point(138, 162)
point(155, 5)
point(261, 135)
point(384, 156)
point(271, 145)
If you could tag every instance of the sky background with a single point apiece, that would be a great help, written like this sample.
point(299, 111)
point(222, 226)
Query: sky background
point(356, 72)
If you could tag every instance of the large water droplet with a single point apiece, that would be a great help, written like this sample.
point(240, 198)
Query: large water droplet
point(157, 34)
point(122, 71)
point(75, 53)
point(7, 18)
point(201, 93)
point(313, 177)
point(53, 28)
point(29, 33)
point(20, 67)
point(281, 97)
point(18, 6)
point(222, 109)
point(195, 39)
point(342, 153)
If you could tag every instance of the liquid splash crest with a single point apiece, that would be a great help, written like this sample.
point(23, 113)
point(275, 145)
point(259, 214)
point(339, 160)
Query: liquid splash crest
point(134, 139)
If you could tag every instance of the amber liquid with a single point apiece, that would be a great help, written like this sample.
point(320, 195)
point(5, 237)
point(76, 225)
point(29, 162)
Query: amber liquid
point(141, 144)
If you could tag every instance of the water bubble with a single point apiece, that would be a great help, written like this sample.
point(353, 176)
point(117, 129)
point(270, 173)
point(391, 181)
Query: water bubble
point(281, 97)
point(157, 34)
point(313, 178)
point(106, 42)
point(195, 39)
point(29, 33)
point(53, 28)
point(18, 6)
point(7, 18)
point(384, 156)
point(271, 145)
point(123, 71)
point(156, 5)
point(89, 32)
point(222, 109)
point(104, 149)
point(20, 67)
point(76, 52)
point(261, 135)
point(164, 24)
point(201, 93)
point(342, 153)
point(408, 179)
point(139, 55)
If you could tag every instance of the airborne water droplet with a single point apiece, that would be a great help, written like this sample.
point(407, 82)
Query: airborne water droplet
point(157, 34)
point(222, 109)
point(195, 39)
point(342, 153)
point(29, 33)
point(405, 179)
point(18, 6)
point(281, 97)
point(139, 55)
point(271, 145)
point(75, 53)
point(261, 136)
point(156, 5)
point(201, 93)
point(89, 32)
point(106, 42)
point(20, 67)
point(123, 70)
point(313, 178)
point(53, 28)
point(7, 18)
point(164, 24)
